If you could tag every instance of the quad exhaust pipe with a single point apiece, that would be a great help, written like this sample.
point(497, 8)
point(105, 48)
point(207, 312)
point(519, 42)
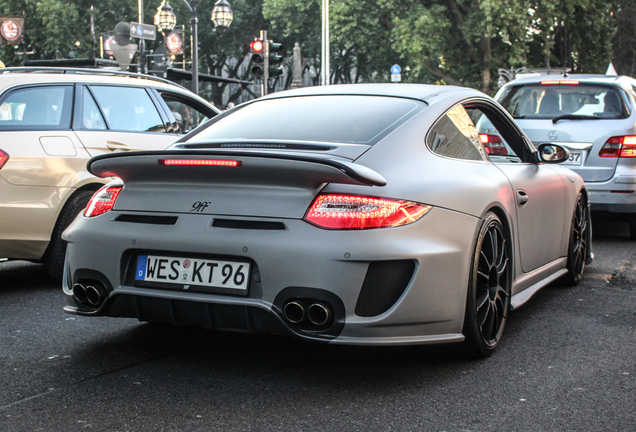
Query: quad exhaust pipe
point(318, 313)
point(89, 294)
point(294, 312)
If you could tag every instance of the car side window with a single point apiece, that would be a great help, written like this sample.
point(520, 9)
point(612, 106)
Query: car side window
point(454, 135)
point(128, 109)
point(502, 139)
point(186, 115)
point(91, 116)
point(37, 108)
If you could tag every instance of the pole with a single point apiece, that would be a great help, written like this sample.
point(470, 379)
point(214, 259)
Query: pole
point(142, 42)
point(195, 47)
point(93, 31)
point(265, 79)
point(325, 68)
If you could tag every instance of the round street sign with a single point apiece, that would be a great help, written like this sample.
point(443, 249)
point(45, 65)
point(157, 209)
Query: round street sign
point(173, 43)
point(11, 30)
point(396, 69)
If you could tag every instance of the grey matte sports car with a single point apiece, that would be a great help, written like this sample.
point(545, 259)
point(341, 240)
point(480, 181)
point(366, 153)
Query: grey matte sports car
point(350, 214)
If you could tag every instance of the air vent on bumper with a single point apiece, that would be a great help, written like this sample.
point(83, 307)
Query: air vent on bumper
point(147, 219)
point(248, 224)
point(383, 285)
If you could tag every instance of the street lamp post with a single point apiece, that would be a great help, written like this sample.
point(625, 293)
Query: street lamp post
point(221, 16)
point(142, 42)
point(325, 68)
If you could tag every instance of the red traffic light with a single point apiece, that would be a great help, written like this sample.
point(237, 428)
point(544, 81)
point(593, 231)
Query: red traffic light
point(257, 46)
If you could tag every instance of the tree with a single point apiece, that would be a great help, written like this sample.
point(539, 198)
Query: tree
point(460, 42)
point(624, 40)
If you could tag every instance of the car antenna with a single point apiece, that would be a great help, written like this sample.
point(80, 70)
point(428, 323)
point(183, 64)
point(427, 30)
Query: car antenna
point(565, 72)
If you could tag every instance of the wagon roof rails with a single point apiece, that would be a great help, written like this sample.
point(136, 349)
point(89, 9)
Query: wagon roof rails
point(85, 71)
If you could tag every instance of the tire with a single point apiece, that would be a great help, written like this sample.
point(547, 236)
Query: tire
point(489, 287)
point(54, 255)
point(578, 247)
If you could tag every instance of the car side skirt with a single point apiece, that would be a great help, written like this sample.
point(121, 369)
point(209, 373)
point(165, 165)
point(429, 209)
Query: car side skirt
point(522, 297)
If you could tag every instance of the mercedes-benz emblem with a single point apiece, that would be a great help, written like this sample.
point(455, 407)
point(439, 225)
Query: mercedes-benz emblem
point(552, 135)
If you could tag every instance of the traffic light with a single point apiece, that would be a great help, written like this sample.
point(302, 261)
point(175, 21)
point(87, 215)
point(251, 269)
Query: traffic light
point(257, 48)
point(275, 59)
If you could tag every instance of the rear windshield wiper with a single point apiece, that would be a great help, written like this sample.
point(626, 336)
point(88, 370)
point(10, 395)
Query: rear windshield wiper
point(574, 117)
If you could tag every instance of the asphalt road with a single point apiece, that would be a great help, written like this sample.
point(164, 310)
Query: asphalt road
point(568, 362)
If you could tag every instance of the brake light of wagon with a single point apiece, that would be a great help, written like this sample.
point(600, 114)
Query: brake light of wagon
point(102, 201)
point(493, 144)
point(619, 146)
point(351, 212)
point(560, 82)
point(200, 162)
point(4, 158)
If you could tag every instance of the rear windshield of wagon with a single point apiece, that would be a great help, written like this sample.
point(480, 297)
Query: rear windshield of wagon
point(547, 101)
point(351, 119)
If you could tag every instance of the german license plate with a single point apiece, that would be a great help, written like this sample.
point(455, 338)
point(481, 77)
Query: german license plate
point(576, 158)
point(193, 271)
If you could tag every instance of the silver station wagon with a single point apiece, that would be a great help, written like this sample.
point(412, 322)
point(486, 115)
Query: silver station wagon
point(594, 117)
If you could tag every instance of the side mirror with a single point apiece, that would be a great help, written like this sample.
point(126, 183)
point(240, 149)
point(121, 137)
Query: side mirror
point(553, 153)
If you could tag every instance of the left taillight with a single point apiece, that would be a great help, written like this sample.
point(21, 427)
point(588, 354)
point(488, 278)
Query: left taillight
point(350, 212)
point(493, 144)
point(102, 201)
point(4, 158)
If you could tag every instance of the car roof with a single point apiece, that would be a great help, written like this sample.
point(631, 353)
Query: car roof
point(583, 78)
point(424, 92)
point(10, 77)
point(36, 75)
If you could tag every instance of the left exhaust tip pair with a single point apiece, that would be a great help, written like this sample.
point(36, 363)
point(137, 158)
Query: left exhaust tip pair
point(89, 294)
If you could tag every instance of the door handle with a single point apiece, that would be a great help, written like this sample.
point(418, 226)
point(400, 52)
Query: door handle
point(522, 198)
point(115, 146)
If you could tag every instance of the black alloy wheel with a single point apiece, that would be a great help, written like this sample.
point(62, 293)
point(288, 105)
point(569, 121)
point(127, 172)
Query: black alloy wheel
point(579, 242)
point(488, 301)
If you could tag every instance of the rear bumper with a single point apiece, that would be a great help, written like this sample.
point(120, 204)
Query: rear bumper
point(612, 198)
point(300, 262)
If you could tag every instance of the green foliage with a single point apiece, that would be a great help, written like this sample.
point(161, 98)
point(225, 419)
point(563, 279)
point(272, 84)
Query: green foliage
point(452, 41)
point(624, 40)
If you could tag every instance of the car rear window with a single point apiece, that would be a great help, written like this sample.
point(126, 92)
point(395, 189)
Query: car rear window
point(333, 118)
point(547, 101)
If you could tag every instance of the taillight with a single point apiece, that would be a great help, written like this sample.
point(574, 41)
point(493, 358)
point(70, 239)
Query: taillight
point(619, 146)
point(103, 201)
point(560, 82)
point(493, 144)
point(200, 162)
point(360, 212)
point(4, 158)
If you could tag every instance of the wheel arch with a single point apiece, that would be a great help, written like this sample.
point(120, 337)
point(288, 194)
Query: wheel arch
point(92, 186)
point(507, 226)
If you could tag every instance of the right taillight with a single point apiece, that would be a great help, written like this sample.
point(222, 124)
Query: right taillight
point(352, 212)
point(4, 158)
point(103, 201)
point(619, 146)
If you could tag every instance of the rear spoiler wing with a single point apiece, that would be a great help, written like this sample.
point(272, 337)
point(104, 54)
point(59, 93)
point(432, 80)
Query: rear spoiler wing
point(252, 167)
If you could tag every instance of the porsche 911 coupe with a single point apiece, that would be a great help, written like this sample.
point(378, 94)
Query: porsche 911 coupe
point(366, 214)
